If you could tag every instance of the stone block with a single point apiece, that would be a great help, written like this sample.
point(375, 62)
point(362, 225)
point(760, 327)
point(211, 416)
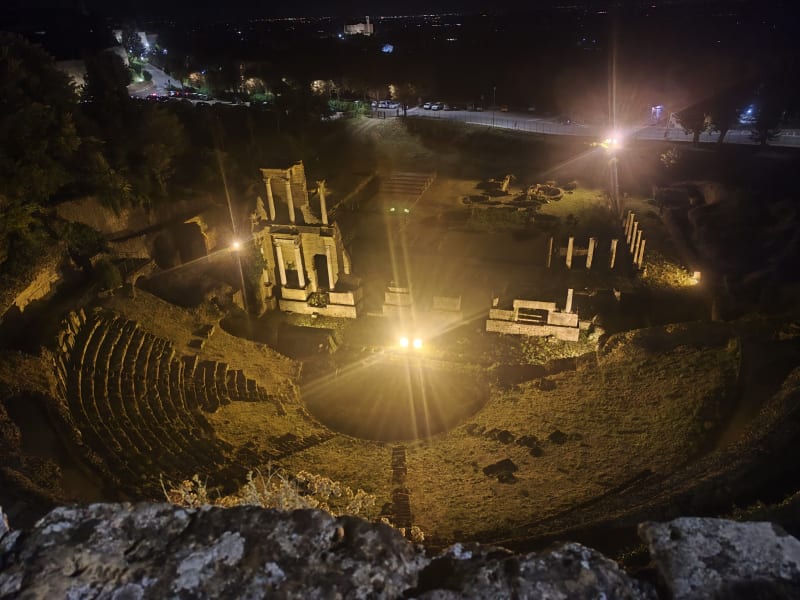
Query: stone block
point(702, 558)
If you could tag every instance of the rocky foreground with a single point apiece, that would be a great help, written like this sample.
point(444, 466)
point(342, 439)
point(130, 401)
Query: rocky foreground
point(124, 551)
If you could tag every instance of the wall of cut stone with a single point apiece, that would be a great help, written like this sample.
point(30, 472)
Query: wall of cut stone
point(160, 550)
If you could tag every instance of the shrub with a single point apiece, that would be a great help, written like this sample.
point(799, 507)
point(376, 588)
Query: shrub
point(570, 186)
point(278, 490)
point(107, 274)
point(148, 76)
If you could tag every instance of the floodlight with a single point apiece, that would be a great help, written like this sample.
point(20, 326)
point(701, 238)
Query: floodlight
point(404, 342)
point(236, 245)
point(417, 343)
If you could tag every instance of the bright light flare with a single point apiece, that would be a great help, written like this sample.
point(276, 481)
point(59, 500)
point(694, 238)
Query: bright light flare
point(236, 245)
point(612, 142)
point(406, 342)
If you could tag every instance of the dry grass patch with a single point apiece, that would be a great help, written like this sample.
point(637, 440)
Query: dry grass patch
point(637, 410)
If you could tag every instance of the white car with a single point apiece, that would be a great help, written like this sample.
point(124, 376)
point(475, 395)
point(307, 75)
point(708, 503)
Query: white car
point(427, 106)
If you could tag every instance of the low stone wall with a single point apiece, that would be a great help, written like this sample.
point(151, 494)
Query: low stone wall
point(288, 293)
point(349, 298)
point(562, 319)
point(534, 304)
point(160, 550)
point(342, 311)
point(397, 298)
point(568, 334)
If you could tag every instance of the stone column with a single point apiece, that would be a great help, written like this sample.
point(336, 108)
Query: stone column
point(281, 264)
point(549, 251)
point(636, 243)
point(346, 262)
point(290, 201)
point(298, 257)
point(590, 252)
point(629, 224)
point(626, 220)
point(632, 236)
point(323, 208)
point(629, 231)
point(640, 259)
point(270, 199)
point(570, 245)
point(613, 254)
point(331, 282)
point(568, 307)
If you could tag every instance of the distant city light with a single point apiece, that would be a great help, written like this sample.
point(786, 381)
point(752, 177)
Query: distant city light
point(387, 48)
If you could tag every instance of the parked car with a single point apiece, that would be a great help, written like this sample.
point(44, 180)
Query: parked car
point(426, 106)
point(436, 106)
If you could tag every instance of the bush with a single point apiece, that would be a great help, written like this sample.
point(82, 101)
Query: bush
point(570, 186)
point(148, 76)
point(107, 274)
point(82, 240)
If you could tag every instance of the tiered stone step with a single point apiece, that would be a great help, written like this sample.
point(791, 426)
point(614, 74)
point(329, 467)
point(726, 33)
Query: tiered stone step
point(135, 404)
point(401, 503)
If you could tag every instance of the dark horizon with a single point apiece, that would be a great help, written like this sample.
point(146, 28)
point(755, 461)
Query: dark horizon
point(348, 9)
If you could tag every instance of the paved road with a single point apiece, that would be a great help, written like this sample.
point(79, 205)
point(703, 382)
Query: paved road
point(158, 85)
point(527, 122)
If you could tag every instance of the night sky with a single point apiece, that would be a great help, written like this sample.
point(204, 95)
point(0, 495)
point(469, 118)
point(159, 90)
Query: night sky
point(338, 8)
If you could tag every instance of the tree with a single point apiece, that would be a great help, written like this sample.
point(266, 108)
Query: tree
point(38, 142)
point(132, 42)
point(694, 120)
point(725, 109)
point(405, 94)
point(107, 80)
point(770, 106)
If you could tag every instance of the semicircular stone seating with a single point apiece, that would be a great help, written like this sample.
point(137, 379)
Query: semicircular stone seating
point(137, 407)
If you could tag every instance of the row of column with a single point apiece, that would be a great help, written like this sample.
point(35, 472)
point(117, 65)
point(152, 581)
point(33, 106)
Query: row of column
point(271, 199)
point(298, 257)
point(589, 253)
point(634, 239)
point(290, 199)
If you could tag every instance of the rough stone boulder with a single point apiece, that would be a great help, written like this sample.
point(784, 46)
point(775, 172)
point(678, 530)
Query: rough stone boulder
point(714, 558)
point(162, 551)
point(569, 571)
point(124, 551)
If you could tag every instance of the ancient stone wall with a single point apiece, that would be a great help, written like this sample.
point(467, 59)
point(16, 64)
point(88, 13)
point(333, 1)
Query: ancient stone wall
point(569, 334)
point(160, 550)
